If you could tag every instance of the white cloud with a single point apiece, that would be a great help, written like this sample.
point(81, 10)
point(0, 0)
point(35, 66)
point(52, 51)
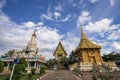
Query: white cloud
point(14, 36)
point(40, 23)
point(99, 26)
point(93, 1)
point(116, 45)
point(4, 17)
point(104, 28)
point(66, 18)
point(57, 14)
point(70, 42)
point(114, 35)
point(59, 7)
point(18, 36)
point(47, 16)
point(29, 24)
point(84, 17)
point(46, 32)
point(112, 2)
point(47, 39)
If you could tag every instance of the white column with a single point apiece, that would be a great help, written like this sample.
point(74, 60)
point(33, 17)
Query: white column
point(35, 65)
point(28, 65)
point(38, 65)
point(8, 65)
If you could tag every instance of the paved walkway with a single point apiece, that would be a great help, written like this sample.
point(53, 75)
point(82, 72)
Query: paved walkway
point(61, 75)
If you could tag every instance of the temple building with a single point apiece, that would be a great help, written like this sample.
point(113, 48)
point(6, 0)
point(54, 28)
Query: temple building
point(59, 53)
point(89, 57)
point(88, 53)
point(30, 53)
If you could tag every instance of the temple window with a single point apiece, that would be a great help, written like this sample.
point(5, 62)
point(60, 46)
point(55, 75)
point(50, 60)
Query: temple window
point(59, 55)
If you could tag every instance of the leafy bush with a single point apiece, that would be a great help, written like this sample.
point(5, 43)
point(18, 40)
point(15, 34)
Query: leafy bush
point(29, 76)
point(19, 68)
point(42, 69)
point(64, 62)
point(1, 66)
point(7, 78)
point(51, 62)
point(72, 58)
point(17, 72)
point(33, 71)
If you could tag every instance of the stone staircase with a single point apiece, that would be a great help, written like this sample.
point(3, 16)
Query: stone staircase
point(77, 70)
point(6, 71)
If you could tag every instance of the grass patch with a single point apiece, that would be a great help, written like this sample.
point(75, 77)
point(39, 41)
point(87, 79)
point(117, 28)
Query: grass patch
point(33, 77)
point(3, 77)
point(24, 77)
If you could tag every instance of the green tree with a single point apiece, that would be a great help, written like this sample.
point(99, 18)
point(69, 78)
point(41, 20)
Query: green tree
point(1, 66)
point(17, 72)
point(8, 54)
point(54, 61)
point(72, 58)
point(42, 70)
point(19, 69)
point(113, 56)
point(64, 62)
point(33, 71)
point(23, 64)
point(51, 62)
point(11, 52)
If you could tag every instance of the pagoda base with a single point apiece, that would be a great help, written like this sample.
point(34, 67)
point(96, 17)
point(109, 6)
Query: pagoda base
point(88, 66)
point(97, 67)
point(84, 66)
point(111, 66)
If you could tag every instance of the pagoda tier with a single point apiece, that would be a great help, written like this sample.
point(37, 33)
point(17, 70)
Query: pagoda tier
point(87, 51)
point(59, 52)
point(85, 43)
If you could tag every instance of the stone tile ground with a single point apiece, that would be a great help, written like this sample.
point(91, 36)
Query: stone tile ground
point(61, 75)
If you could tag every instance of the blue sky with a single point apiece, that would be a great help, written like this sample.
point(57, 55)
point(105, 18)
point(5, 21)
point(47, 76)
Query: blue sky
point(59, 20)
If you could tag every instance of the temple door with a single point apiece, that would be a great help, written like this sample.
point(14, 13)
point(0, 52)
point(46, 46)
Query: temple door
point(93, 60)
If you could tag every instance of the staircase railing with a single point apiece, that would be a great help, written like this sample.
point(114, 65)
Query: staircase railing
point(105, 68)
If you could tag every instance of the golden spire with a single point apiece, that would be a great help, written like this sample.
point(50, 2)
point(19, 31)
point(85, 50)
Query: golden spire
point(85, 42)
point(83, 36)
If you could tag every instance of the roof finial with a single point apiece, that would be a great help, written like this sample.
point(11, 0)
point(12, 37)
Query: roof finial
point(80, 24)
point(34, 33)
point(83, 36)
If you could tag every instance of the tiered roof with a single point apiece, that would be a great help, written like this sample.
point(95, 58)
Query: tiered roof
point(59, 49)
point(85, 42)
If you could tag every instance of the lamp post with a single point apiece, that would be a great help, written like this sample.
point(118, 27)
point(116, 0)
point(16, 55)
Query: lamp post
point(15, 62)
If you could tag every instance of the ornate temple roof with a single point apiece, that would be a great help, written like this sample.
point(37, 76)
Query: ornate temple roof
point(59, 49)
point(31, 45)
point(85, 42)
